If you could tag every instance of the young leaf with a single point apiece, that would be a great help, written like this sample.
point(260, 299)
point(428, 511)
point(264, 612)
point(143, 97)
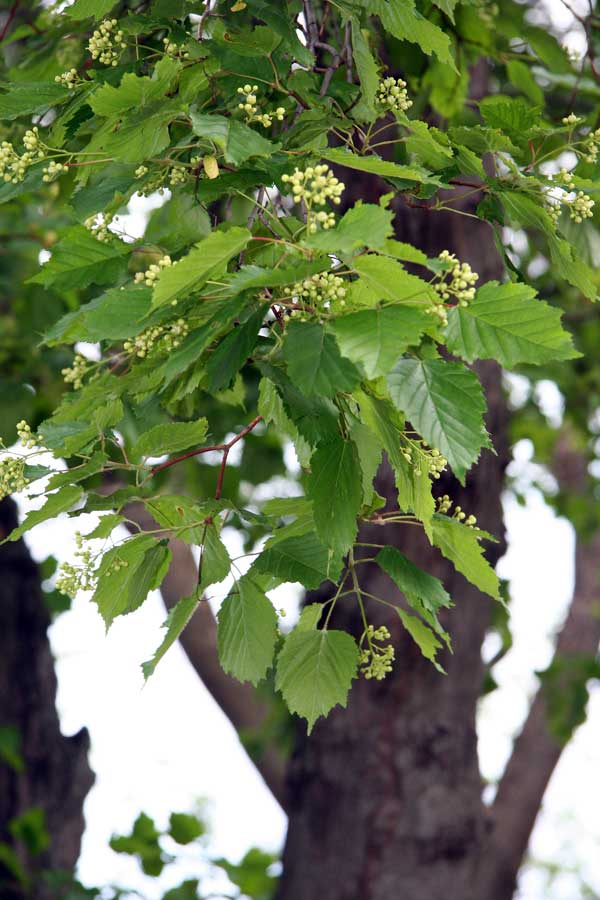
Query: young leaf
point(122, 581)
point(460, 545)
point(55, 504)
point(376, 338)
point(335, 487)
point(79, 259)
point(507, 323)
point(170, 438)
point(412, 581)
point(247, 631)
point(302, 558)
point(315, 364)
point(315, 670)
point(423, 637)
point(445, 403)
point(177, 619)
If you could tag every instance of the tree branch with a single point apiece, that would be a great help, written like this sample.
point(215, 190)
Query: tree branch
point(536, 751)
point(240, 702)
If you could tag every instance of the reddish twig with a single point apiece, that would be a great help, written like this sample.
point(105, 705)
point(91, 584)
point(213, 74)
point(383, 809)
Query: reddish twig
point(11, 14)
point(223, 448)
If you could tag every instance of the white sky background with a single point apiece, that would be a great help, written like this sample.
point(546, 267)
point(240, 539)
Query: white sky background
point(165, 746)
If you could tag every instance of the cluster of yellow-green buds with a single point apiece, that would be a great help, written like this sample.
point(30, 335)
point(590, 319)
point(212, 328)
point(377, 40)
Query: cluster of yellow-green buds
point(249, 106)
point(106, 43)
point(13, 166)
point(12, 476)
point(392, 94)
point(459, 280)
point(168, 336)
point(25, 435)
point(82, 577)
point(53, 170)
point(68, 79)
point(444, 505)
point(315, 186)
point(419, 455)
point(591, 147)
point(152, 272)
point(579, 204)
point(176, 51)
point(98, 225)
point(376, 661)
point(178, 175)
point(75, 373)
point(323, 289)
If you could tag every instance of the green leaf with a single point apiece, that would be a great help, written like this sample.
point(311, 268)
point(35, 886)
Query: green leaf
point(382, 278)
point(180, 222)
point(171, 438)
point(403, 21)
point(247, 632)
point(134, 92)
point(138, 136)
point(79, 259)
point(30, 98)
point(302, 558)
point(315, 670)
point(185, 828)
point(238, 142)
point(57, 503)
point(363, 225)
point(335, 487)
point(422, 591)
point(460, 544)
point(227, 359)
point(512, 115)
point(423, 637)
point(445, 403)
point(315, 364)
point(374, 165)
point(209, 256)
point(377, 337)
point(214, 559)
point(126, 575)
point(87, 9)
point(521, 76)
point(114, 315)
point(507, 323)
point(366, 67)
point(177, 619)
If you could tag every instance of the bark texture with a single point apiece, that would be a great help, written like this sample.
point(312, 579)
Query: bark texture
point(385, 797)
point(56, 776)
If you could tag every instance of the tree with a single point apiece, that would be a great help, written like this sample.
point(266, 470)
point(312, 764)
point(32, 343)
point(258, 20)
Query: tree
point(330, 272)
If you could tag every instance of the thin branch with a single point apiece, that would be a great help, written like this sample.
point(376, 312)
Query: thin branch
point(225, 448)
point(9, 18)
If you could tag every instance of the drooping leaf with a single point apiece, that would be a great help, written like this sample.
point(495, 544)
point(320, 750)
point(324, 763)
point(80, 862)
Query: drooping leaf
point(247, 631)
point(315, 670)
point(171, 438)
point(314, 361)
point(56, 503)
point(304, 559)
point(79, 259)
point(445, 403)
point(335, 487)
point(177, 619)
point(461, 546)
point(376, 338)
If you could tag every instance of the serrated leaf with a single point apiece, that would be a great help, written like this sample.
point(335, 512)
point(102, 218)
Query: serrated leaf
point(363, 225)
point(367, 69)
point(170, 438)
point(315, 671)
point(214, 563)
point(382, 278)
point(227, 359)
point(507, 323)
point(301, 558)
point(376, 338)
point(209, 256)
point(247, 632)
point(423, 636)
point(335, 487)
point(177, 619)
point(461, 546)
point(310, 617)
point(238, 142)
point(422, 591)
point(401, 19)
point(84, 9)
point(127, 573)
point(374, 165)
point(314, 361)
point(29, 98)
point(114, 315)
point(134, 92)
point(445, 404)
point(79, 259)
point(57, 503)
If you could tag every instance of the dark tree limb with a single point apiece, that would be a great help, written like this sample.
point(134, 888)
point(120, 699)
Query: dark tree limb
point(55, 775)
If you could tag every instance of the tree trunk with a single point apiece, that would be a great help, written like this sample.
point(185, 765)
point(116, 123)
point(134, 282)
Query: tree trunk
point(385, 797)
point(55, 775)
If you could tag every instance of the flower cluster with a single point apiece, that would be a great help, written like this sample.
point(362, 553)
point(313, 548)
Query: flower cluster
point(141, 171)
point(249, 106)
point(315, 186)
point(152, 272)
point(169, 336)
point(53, 169)
point(444, 505)
point(376, 661)
point(323, 289)
point(98, 226)
point(106, 43)
point(579, 204)
point(72, 578)
point(176, 51)
point(459, 280)
point(418, 454)
point(591, 145)
point(68, 79)
point(392, 94)
point(571, 119)
point(177, 175)
point(74, 374)
point(13, 166)
point(25, 434)
point(12, 476)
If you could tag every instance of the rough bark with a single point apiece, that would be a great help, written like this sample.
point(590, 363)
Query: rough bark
point(55, 776)
point(385, 797)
